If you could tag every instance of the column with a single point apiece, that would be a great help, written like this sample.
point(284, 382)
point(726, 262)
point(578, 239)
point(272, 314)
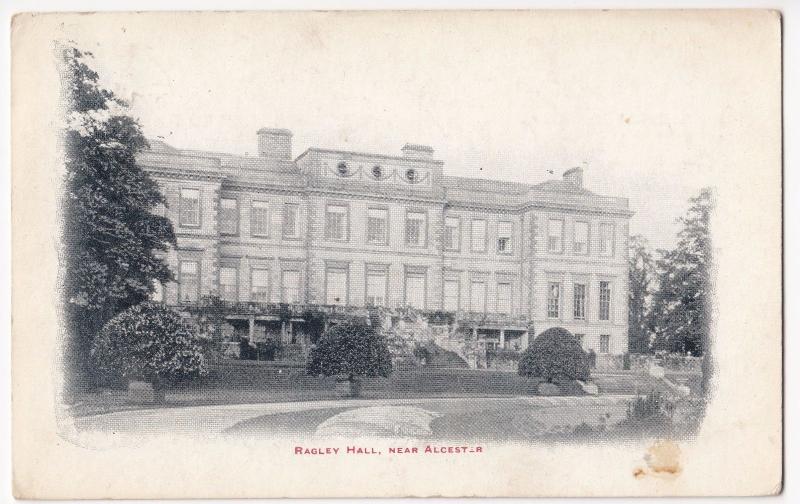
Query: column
point(251, 330)
point(502, 338)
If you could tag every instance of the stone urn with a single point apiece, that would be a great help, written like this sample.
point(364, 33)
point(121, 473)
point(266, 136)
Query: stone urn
point(589, 388)
point(348, 387)
point(548, 389)
point(143, 392)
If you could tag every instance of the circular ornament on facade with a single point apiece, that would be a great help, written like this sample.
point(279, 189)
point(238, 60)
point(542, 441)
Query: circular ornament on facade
point(342, 168)
point(411, 175)
point(377, 171)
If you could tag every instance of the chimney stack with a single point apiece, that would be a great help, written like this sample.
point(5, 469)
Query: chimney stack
point(574, 176)
point(275, 143)
point(417, 151)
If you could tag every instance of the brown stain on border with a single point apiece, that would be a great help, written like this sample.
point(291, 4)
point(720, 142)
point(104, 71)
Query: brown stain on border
point(663, 460)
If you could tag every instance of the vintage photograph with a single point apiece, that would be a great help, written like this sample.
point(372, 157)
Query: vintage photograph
point(306, 280)
point(357, 236)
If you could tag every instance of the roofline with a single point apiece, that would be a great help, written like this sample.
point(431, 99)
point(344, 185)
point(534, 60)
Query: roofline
point(367, 154)
point(527, 187)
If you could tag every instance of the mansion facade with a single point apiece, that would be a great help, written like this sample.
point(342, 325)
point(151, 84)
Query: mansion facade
point(337, 229)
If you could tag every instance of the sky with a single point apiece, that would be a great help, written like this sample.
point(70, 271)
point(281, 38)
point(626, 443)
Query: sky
point(642, 103)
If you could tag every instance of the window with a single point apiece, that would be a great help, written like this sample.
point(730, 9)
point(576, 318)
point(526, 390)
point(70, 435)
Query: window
point(291, 211)
point(342, 168)
point(377, 228)
point(605, 301)
point(452, 290)
point(336, 286)
point(228, 216)
point(290, 286)
point(189, 281)
point(416, 224)
point(478, 235)
point(505, 237)
point(189, 207)
point(259, 285)
point(553, 299)
point(227, 283)
point(158, 292)
point(452, 233)
point(411, 175)
point(579, 301)
point(336, 222)
point(605, 343)
point(606, 239)
point(580, 244)
point(477, 296)
point(376, 286)
point(259, 218)
point(504, 298)
point(580, 338)
point(555, 235)
point(377, 171)
point(415, 289)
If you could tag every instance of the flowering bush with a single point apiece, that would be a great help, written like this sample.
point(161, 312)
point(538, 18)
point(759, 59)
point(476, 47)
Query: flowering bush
point(147, 342)
point(351, 350)
point(555, 355)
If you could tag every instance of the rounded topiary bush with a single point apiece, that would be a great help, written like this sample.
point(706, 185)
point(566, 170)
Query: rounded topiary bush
point(350, 350)
point(147, 342)
point(555, 355)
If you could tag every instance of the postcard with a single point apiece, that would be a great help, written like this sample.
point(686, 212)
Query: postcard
point(397, 254)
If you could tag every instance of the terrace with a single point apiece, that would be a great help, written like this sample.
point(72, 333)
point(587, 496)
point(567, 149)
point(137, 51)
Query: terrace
point(304, 323)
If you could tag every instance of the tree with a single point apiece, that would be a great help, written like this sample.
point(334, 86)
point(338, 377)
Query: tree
point(681, 305)
point(555, 355)
point(352, 351)
point(111, 237)
point(641, 277)
point(147, 342)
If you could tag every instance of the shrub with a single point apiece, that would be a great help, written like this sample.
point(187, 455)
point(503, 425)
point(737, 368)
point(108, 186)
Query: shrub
point(651, 414)
point(555, 355)
point(268, 350)
point(652, 406)
point(246, 351)
point(211, 350)
point(505, 354)
point(421, 353)
point(147, 342)
point(439, 317)
point(351, 350)
point(592, 356)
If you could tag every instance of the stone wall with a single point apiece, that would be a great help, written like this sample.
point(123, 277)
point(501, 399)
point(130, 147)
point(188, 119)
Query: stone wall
point(670, 362)
point(609, 362)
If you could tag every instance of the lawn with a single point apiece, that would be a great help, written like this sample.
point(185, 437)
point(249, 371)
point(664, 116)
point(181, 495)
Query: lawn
point(580, 419)
point(245, 382)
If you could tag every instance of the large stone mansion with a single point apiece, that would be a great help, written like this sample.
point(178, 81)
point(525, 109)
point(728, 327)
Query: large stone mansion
point(334, 228)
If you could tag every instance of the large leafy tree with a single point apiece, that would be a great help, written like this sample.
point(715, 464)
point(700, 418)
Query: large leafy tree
point(641, 280)
point(681, 314)
point(111, 237)
point(147, 342)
